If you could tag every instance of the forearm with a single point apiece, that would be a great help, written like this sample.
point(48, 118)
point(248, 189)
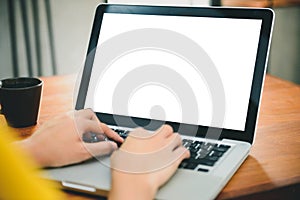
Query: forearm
point(131, 187)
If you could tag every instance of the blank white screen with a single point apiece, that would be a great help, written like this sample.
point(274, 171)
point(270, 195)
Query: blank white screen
point(230, 43)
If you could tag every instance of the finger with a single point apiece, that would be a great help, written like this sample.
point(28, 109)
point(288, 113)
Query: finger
point(89, 114)
point(164, 131)
point(101, 148)
point(86, 125)
point(178, 140)
point(140, 133)
point(86, 113)
point(93, 116)
point(110, 133)
point(173, 141)
point(181, 153)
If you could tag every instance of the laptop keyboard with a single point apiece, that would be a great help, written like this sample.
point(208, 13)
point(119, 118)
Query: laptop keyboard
point(122, 133)
point(202, 153)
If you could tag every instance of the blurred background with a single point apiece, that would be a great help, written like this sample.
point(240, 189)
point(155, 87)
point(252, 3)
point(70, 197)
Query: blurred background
point(50, 37)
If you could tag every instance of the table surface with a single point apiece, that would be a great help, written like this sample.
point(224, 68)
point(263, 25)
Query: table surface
point(272, 170)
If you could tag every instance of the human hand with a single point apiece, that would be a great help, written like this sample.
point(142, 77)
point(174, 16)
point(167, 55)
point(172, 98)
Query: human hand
point(59, 142)
point(144, 162)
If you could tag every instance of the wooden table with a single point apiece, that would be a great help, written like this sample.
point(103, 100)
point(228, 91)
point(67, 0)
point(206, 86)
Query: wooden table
point(260, 3)
point(272, 170)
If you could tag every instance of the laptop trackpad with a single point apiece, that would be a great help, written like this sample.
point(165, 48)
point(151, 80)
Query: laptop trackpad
point(186, 184)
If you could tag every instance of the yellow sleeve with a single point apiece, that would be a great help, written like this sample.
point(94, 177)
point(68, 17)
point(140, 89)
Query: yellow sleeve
point(20, 178)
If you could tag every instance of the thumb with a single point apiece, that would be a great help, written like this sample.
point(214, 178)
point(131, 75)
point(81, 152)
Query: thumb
point(181, 153)
point(101, 148)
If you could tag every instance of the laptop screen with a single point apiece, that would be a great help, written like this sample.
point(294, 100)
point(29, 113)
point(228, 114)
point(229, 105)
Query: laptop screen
point(200, 70)
point(173, 66)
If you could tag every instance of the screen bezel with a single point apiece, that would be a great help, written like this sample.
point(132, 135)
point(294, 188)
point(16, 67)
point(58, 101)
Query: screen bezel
point(266, 15)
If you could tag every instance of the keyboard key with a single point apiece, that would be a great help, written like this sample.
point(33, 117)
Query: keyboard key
point(202, 170)
point(191, 160)
point(220, 149)
point(193, 154)
point(203, 153)
point(210, 144)
point(224, 146)
point(198, 142)
point(207, 146)
point(188, 141)
point(191, 166)
point(193, 146)
point(217, 153)
point(193, 150)
point(206, 162)
point(183, 164)
point(212, 158)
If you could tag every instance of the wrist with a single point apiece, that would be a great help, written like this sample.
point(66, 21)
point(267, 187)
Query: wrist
point(131, 186)
point(29, 148)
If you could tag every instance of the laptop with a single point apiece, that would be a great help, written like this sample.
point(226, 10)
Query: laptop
point(198, 69)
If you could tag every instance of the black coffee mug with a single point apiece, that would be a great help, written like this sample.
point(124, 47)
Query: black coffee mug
point(20, 100)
